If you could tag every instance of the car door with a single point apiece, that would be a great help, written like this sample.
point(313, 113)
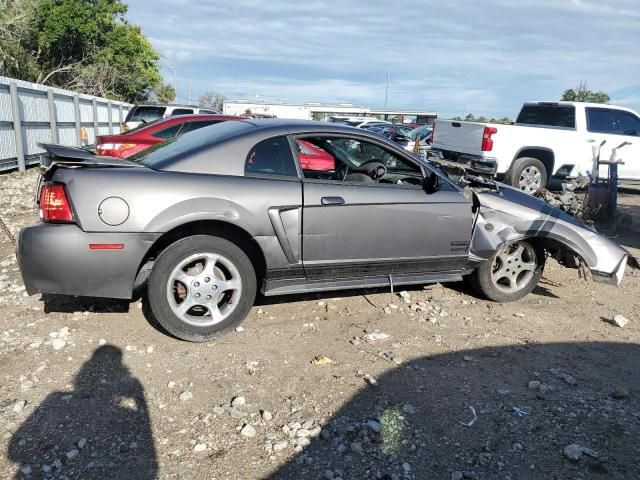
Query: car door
point(354, 227)
point(616, 127)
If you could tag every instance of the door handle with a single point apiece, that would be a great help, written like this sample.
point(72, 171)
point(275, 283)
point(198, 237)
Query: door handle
point(332, 201)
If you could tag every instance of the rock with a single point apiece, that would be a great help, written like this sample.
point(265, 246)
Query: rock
point(456, 476)
point(408, 409)
point(238, 401)
point(302, 432)
point(186, 396)
point(356, 448)
point(81, 443)
point(303, 442)
point(373, 425)
point(467, 358)
point(171, 384)
point(387, 310)
point(248, 431)
point(239, 329)
point(58, 343)
point(218, 410)
point(503, 391)
point(266, 416)
point(199, 447)
point(406, 467)
point(233, 412)
point(575, 451)
point(73, 453)
point(620, 393)
point(19, 406)
point(315, 431)
point(405, 294)
point(534, 385)
point(329, 475)
point(280, 446)
point(619, 320)
point(45, 468)
point(26, 470)
point(150, 349)
point(102, 341)
point(325, 435)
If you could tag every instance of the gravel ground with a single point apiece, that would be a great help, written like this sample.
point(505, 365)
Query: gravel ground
point(544, 388)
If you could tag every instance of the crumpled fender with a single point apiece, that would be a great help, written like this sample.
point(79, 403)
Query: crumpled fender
point(507, 215)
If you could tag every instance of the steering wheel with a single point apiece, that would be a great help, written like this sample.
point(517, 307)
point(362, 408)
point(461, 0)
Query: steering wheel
point(373, 168)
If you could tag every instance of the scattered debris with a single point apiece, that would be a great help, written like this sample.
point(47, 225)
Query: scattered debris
point(321, 360)
point(473, 420)
point(377, 337)
point(519, 411)
point(619, 320)
point(620, 393)
point(186, 396)
point(575, 451)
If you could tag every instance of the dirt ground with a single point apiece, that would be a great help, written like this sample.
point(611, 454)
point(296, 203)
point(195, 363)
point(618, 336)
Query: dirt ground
point(544, 388)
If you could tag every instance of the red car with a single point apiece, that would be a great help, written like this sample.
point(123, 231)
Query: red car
point(314, 158)
point(126, 144)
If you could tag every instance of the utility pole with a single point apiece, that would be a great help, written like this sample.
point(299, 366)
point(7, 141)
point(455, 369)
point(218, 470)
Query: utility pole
point(386, 93)
point(189, 84)
point(175, 79)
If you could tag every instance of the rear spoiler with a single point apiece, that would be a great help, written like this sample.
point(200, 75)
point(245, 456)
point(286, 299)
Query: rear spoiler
point(63, 155)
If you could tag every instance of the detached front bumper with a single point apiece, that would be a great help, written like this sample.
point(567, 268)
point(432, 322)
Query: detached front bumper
point(56, 258)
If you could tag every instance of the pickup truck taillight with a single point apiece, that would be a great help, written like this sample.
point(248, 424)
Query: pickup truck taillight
point(54, 204)
point(487, 142)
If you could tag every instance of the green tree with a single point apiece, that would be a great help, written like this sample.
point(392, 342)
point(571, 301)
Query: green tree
point(212, 100)
point(583, 94)
point(84, 45)
point(164, 93)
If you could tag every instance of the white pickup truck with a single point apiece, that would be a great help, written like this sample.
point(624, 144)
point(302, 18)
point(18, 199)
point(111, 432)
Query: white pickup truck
point(549, 140)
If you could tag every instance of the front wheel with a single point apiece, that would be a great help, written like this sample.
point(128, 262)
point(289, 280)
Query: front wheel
point(201, 286)
point(512, 272)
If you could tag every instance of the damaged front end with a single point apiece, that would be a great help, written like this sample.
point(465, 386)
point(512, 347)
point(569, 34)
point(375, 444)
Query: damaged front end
point(505, 215)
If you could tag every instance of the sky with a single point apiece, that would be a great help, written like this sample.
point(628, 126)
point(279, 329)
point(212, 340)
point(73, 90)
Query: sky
point(454, 57)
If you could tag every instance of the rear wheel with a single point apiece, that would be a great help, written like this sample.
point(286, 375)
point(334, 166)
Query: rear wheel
point(201, 286)
point(513, 272)
point(528, 174)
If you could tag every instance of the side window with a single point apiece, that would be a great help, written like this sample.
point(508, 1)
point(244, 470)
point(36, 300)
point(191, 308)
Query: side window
point(191, 126)
point(343, 159)
point(271, 157)
point(599, 120)
point(182, 111)
point(625, 123)
point(169, 132)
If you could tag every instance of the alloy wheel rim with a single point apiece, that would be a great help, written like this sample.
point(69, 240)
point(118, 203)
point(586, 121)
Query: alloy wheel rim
point(513, 267)
point(204, 289)
point(530, 179)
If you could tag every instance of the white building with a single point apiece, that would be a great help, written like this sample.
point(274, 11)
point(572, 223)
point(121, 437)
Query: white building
point(320, 111)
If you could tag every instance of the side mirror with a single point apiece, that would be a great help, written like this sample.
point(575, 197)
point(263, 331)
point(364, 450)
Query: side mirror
point(431, 183)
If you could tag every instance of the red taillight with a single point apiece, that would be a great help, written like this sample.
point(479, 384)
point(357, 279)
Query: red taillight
point(54, 204)
point(121, 150)
point(487, 142)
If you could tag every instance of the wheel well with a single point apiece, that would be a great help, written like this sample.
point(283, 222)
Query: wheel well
point(216, 228)
point(545, 156)
point(566, 256)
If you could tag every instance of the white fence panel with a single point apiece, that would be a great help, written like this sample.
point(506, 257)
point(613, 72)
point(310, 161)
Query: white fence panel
point(46, 114)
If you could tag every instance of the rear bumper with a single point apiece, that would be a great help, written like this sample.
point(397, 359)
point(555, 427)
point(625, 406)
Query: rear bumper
point(473, 163)
point(57, 259)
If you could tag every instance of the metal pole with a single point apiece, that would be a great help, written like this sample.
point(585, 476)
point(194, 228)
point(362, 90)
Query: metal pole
point(17, 126)
point(52, 117)
point(120, 117)
point(386, 93)
point(96, 125)
point(76, 112)
point(189, 82)
point(110, 116)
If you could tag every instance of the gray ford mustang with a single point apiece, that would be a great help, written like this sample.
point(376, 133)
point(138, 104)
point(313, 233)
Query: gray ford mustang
point(209, 218)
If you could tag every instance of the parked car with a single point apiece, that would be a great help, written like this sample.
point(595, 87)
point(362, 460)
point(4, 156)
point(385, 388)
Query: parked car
point(549, 139)
point(424, 134)
point(359, 122)
point(129, 143)
point(211, 217)
point(141, 114)
point(314, 158)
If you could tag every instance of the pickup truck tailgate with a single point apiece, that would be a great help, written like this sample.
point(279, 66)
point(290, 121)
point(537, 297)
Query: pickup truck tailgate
point(464, 137)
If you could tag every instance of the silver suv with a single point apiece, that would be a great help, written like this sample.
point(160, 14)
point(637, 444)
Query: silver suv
point(140, 114)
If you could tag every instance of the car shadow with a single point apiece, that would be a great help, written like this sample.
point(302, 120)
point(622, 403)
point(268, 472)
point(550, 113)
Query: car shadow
point(490, 413)
point(71, 304)
point(99, 430)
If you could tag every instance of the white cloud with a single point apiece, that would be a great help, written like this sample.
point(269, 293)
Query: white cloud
point(486, 57)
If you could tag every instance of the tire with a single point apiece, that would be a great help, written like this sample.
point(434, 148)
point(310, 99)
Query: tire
point(519, 262)
point(528, 174)
point(216, 279)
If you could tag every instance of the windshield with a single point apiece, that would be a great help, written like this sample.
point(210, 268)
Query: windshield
point(421, 132)
point(189, 143)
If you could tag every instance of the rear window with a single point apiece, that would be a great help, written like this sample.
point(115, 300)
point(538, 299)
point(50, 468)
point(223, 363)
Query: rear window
point(548, 115)
point(182, 111)
point(162, 154)
point(271, 157)
point(146, 113)
point(168, 132)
